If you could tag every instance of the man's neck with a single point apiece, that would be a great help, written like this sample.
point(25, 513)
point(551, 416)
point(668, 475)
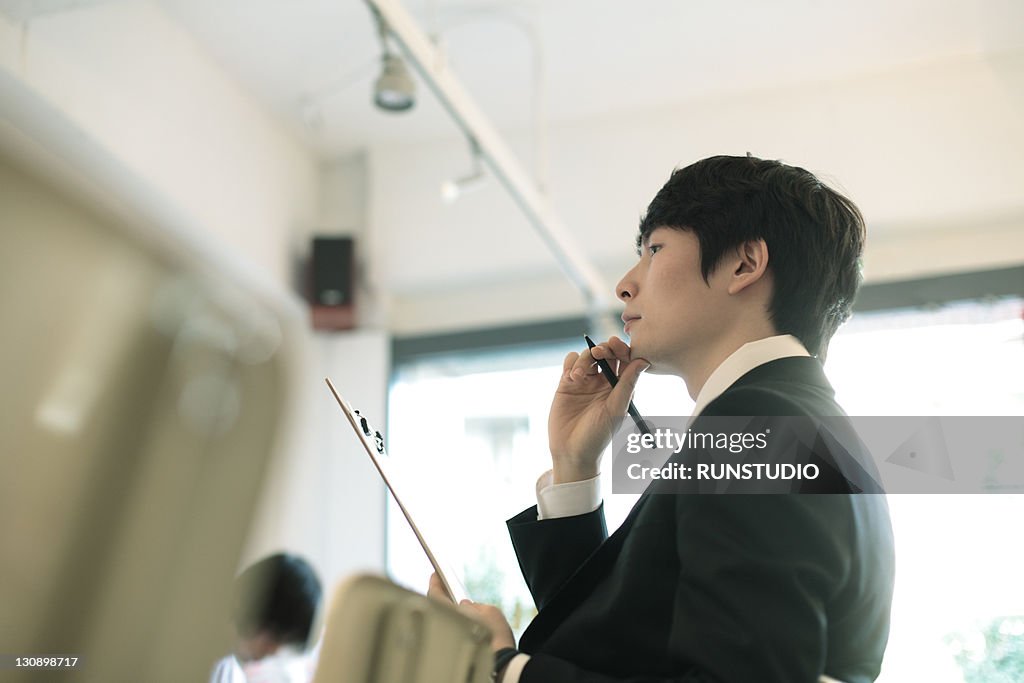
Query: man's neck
point(696, 373)
point(743, 360)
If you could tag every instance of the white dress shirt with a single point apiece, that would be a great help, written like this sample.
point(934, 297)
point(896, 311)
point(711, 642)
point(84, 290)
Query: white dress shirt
point(581, 497)
point(288, 665)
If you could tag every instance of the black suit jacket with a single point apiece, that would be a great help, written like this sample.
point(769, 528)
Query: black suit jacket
point(730, 588)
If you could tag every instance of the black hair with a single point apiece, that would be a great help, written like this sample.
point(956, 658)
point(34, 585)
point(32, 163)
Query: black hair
point(815, 235)
point(280, 595)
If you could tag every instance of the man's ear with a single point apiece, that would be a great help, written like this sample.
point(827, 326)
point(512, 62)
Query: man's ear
point(749, 265)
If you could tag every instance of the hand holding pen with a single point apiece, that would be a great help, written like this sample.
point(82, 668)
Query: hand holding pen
point(587, 408)
point(613, 380)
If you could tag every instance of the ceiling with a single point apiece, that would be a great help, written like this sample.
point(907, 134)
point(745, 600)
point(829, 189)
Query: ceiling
point(632, 78)
point(313, 62)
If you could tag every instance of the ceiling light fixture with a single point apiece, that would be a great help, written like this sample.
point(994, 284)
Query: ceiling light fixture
point(501, 162)
point(453, 189)
point(456, 187)
point(394, 90)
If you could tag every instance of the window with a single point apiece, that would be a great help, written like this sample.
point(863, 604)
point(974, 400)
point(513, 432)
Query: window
point(473, 429)
point(959, 560)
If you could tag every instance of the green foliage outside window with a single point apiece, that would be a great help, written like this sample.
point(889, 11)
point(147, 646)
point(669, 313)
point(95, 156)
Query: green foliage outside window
point(993, 655)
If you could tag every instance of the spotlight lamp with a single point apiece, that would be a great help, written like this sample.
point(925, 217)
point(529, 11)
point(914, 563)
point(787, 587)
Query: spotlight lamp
point(454, 188)
point(394, 90)
point(451, 190)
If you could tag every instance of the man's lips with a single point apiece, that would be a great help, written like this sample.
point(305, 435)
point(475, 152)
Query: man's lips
point(627, 320)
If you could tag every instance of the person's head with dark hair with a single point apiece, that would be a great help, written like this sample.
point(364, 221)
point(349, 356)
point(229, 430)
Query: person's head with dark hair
point(275, 602)
point(776, 249)
point(814, 235)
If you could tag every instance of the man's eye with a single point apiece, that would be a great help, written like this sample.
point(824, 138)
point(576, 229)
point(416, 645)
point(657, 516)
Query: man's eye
point(654, 249)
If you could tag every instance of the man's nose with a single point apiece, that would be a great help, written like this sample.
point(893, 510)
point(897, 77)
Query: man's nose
point(626, 287)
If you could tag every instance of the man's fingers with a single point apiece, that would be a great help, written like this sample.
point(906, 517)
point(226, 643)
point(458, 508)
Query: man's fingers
point(613, 349)
point(631, 373)
point(470, 608)
point(620, 349)
point(622, 394)
point(603, 352)
point(585, 365)
point(578, 366)
point(436, 589)
point(570, 360)
point(491, 617)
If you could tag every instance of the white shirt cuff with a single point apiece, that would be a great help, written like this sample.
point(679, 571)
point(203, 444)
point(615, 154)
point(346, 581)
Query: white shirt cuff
point(514, 669)
point(567, 500)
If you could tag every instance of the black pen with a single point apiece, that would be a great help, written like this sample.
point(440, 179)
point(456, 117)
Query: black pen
point(606, 370)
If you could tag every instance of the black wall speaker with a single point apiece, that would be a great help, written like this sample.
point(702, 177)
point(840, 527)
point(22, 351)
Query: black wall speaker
point(333, 279)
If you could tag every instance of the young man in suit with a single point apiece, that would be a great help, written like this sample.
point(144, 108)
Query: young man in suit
point(746, 269)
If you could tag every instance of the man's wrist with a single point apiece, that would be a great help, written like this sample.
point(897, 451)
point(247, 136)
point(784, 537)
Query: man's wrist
point(564, 473)
point(501, 659)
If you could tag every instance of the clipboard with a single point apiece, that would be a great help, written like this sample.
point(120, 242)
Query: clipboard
point(378, 455)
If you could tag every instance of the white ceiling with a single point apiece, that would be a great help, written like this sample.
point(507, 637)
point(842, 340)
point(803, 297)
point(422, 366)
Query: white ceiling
point(913, 105)
point(313, 62)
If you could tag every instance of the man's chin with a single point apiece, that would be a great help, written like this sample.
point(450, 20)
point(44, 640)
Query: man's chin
point(660, 365)
point(637, 351)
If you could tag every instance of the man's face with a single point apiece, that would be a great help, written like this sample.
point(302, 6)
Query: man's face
point(672, 315)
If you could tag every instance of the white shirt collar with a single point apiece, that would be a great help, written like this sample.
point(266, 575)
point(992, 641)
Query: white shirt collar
point(742, 361)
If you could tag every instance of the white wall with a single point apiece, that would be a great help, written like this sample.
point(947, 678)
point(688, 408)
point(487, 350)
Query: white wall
point(134, 82)
point(931, 155)
point(324, 499)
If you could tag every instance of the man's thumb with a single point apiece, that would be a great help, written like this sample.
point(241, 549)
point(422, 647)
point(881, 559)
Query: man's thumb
point(623, 391)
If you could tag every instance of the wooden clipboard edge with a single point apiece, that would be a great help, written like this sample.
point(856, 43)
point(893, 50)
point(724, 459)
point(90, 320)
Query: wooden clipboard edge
point(372, 452)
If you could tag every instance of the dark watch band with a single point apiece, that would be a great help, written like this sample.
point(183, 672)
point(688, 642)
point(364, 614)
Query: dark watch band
point(501, 659)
